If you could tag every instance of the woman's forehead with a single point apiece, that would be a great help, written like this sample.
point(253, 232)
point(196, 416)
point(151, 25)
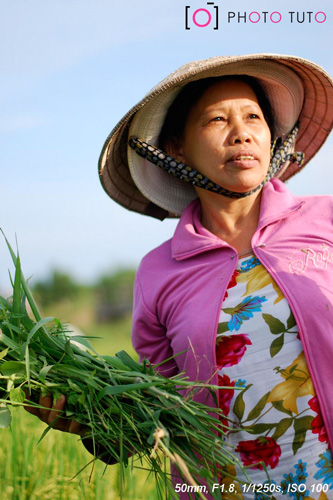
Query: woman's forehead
point(222, 92)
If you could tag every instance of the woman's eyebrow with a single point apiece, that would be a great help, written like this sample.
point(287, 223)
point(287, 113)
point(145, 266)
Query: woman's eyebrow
point(214, 108)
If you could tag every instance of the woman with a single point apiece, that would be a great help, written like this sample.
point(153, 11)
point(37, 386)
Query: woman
point(244, 288)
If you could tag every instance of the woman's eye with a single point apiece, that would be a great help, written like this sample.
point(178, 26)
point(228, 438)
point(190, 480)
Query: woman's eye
point(254, 115)
point(217, 119)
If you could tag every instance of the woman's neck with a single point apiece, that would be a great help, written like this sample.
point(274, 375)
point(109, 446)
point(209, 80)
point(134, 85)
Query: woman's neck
point(232, 220)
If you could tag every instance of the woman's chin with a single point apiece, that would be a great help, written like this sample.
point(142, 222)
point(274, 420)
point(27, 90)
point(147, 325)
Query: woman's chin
point(246, 183)
point(241, 185)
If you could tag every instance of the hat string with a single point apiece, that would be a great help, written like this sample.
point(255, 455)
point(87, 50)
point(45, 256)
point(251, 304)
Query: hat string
point(280, 154)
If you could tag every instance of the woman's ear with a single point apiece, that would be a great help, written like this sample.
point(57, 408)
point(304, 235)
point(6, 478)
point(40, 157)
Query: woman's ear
point(173, 147)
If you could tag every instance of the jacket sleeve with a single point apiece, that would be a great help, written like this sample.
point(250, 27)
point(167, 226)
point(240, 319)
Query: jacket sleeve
point(151, 342)
point(149, 336)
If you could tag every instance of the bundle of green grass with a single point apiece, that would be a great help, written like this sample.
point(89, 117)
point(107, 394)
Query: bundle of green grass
point(133, 414)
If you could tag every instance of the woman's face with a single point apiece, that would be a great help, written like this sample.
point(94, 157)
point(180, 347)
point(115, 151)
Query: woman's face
point(226, 137)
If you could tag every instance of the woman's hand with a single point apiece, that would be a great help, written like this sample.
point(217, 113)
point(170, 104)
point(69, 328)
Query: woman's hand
point(51, 412)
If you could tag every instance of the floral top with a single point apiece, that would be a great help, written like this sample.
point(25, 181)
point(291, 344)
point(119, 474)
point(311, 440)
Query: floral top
point(272, 413)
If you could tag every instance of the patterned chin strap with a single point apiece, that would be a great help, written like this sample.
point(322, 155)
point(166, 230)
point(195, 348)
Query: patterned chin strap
point(280, 155)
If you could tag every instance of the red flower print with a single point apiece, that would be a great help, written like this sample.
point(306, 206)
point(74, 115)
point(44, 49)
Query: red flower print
point(317, 423)
point(225, 396)
point(232, 282)
point(262, 449)
point(230, 349)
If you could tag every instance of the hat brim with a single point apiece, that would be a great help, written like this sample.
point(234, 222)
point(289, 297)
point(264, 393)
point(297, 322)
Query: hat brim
point(295, 87)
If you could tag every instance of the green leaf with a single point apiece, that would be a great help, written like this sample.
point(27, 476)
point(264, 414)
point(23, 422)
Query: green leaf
point(10, 384)
point(71, 371)
point(48, 428)
point(17, 395)
point(8, 341)
point(69, 350)
point(119, 389)
point(222, 327)
point(230, 310)
point(17, 291)
point(75, 387)
point(72, 398)
point(260, 428)
point(275, 325)
point(115, 363)
point(128, 361)
point(5, 417)
point(27, 364)
point(37, 326)
point(239, 405)
point(282, 427)
point(278, 405)
point(291, 321)
point(277, 345)
point(5, 304)
point(205, 473)
point(28, 294)
point(12, 368)
point(151, 437)
point(255, 412)
point(192, 419)
point(4, 353)
point(82, 340)
point(44, 372)
point(82, 399)
point(301, 426)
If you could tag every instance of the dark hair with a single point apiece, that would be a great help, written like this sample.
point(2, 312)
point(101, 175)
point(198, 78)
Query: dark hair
point(179, 110)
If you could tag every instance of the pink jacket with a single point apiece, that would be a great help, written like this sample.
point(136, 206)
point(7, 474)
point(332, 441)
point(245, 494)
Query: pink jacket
point(181, 284)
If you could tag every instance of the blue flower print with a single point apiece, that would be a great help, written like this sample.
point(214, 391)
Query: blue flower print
point(301, 473)
point(264, 496)
point(325, 467)
point(249, 264)
point(294, 480)
point(288, 479)
point(243, 311)
point(240, 383)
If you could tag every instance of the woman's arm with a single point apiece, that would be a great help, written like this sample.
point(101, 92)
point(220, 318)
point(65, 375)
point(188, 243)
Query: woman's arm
point(149, 340)
point(149, 336)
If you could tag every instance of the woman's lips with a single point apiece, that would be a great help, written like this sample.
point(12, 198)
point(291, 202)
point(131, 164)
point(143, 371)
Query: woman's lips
point(244, 159)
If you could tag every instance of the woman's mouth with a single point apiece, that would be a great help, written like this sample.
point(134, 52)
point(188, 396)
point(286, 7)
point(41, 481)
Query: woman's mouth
point(244, 159)
point(241, 158)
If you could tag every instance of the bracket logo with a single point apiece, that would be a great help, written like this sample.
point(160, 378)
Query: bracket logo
point(201, 18)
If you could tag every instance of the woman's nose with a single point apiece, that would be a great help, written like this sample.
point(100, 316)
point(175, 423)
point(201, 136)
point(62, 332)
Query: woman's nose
point(239, 134)
point(240, 138)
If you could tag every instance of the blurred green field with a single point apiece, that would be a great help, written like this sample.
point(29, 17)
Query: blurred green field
point(48, 470)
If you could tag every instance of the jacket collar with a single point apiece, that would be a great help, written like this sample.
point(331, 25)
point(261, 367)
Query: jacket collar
point(192, 238)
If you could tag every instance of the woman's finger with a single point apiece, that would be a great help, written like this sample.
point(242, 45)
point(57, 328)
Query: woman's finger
point(50, 412)
point(76, 428)
point(30, 409)
point(57, 408)
point(46, 402)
